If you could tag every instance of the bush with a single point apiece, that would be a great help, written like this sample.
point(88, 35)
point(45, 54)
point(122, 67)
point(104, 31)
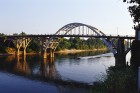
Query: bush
point(118, 80)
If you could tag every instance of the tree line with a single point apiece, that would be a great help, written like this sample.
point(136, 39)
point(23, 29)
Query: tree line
point(7, 46)
point(82, 44)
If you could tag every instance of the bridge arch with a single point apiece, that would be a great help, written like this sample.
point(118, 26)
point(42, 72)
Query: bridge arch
point(67, 30)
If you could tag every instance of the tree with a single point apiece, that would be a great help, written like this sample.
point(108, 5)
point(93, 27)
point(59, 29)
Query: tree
point(134, 10)
point(2, 34)
point(15, 34)
point(22, 33)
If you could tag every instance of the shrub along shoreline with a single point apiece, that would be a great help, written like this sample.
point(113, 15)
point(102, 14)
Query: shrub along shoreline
point(119, 79)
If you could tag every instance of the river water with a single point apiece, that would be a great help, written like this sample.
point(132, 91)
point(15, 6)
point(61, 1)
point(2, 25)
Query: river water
point(63, 74)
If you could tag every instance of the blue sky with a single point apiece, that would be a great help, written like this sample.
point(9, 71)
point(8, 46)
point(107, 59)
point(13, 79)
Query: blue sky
point(47, 16)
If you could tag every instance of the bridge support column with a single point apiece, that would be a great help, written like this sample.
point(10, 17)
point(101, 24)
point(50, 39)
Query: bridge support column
point(24, 58)
point(21, 42)
point(120, 57)
point(17, 52)
point(44, 47)
point(24, 51)
point(44, 54)
point(51, 53)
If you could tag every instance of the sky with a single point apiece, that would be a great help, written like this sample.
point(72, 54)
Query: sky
point(48, 16)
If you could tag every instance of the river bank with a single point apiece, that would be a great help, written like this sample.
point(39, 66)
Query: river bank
point(67, 51)
point(64, 51)
point(9, 54)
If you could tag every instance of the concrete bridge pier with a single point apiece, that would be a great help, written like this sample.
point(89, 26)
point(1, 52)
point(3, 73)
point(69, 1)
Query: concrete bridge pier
point(25, 43)
point(51, 53)
point(17, 52)
point(44, 47)
point(24, 58)
point(44, 54)
point(120, 56)
point(24, 51)
point(21, 42)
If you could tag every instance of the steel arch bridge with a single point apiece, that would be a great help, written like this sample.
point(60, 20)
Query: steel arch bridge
point(83, 31)
point(118, 45)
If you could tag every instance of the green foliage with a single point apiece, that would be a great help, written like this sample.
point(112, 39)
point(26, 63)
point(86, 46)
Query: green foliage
point(65, 44)
point(2, 49)
point(118, 80)
point(2, 34)
point(134, 10)
point(15, 34)
point(22, 33)
point(2, 46)
point(83, 44)
point(33, 47)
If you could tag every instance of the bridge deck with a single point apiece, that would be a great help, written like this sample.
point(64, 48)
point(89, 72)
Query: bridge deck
point(109, 36)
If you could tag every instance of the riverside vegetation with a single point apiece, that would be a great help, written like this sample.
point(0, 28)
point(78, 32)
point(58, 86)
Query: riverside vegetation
point(70, 43)
point(119, 79)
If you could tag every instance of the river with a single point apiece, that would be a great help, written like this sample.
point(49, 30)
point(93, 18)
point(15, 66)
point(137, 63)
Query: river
point(63, 74)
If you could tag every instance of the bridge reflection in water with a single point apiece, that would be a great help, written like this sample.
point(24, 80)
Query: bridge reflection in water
point(34, 68)
point(64, 70)
point(44, 70)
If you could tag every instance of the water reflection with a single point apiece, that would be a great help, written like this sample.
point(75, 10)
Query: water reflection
point(41, 69)
point(59, 72)
point(81, 54)
point(21, 66)
point(47, 69)
point(65, 68)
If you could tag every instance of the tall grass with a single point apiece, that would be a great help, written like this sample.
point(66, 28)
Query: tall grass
point(118, 80)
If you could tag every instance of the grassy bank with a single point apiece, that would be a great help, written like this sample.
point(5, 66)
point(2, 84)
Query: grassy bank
point(65, 51)
point(12, 51)
point(118, 80)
